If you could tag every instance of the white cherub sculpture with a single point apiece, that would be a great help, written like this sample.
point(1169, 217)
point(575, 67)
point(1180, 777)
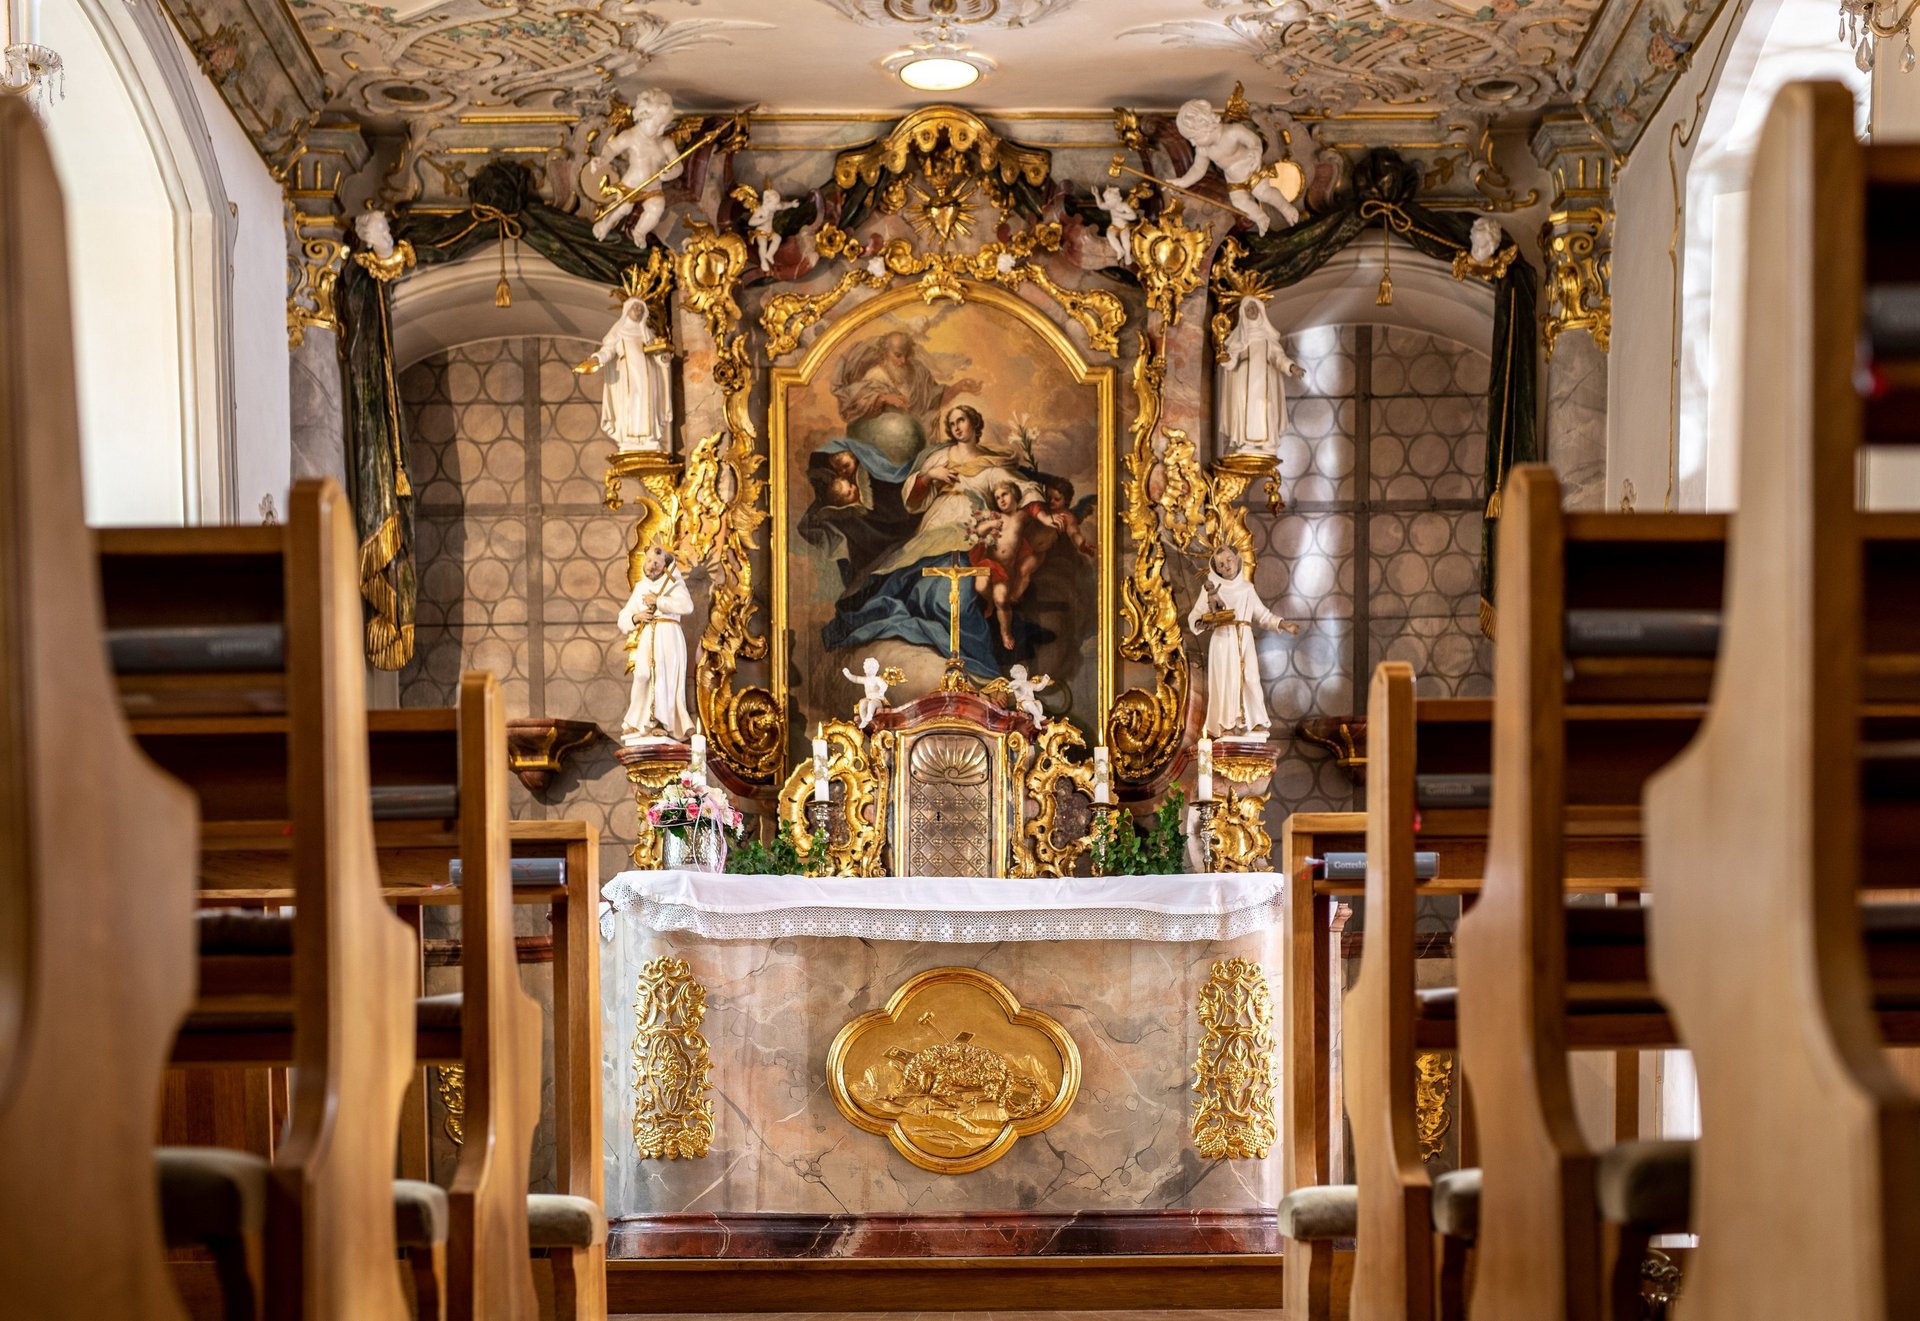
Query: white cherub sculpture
point(1252, 401)
point(651, 619)
point(760, 224)
point(651, 160)
point(874, 683)
point(1121, 216)
point(1484, 240)
point(1024, 692)
point(1237, 150)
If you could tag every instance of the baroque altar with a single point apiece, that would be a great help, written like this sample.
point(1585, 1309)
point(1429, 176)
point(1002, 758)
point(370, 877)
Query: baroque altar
point(843, 1066)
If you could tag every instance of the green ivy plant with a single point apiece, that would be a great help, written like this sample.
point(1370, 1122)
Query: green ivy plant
point(1121, 848)
point(749, 857)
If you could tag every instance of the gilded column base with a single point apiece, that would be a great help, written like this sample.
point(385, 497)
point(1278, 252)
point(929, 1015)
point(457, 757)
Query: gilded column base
point(650, 769)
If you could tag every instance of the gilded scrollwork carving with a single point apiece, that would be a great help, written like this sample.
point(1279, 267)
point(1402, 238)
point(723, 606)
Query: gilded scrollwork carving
point(1240, 839)
point(1010, 264)
point(940, 149)
point(1433, 1089)
point(710, 267)
point(1145, 726)
point(1038, 850)
point(648, 778)
point(1234, 1115)
point(311, 302)
point(1579, 275)
point(451, 1091)
point(672, 1066)
point(857, 770)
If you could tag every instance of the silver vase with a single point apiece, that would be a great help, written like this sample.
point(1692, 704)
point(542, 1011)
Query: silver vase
point(703, 847)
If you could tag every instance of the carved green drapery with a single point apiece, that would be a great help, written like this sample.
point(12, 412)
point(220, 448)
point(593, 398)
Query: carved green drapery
point(503, 206)
point(1385, 190)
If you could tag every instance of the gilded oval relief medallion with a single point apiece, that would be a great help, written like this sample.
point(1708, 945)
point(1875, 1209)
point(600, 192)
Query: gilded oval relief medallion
point(953, 1071)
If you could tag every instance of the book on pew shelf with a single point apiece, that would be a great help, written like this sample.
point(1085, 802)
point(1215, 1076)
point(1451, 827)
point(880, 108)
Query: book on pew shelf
point(1892, 313)
point(415, 802)
point(1643, 632)
point(526, 871)
point(1435, 790)
point(186, 648)
point(1353, 866)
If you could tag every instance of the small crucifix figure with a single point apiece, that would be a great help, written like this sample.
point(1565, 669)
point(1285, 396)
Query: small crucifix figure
point(955, 680)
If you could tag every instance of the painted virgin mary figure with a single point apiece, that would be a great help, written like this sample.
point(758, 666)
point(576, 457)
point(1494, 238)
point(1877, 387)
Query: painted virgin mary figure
point(946, 486)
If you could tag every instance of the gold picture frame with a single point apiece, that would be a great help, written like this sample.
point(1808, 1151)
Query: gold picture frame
point(1103, 383)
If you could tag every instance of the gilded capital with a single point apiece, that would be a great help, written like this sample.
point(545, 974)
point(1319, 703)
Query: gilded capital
point(315, 181)
point(1576, 242)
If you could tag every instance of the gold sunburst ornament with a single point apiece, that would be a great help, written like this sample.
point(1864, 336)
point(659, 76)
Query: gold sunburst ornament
point(943, 209)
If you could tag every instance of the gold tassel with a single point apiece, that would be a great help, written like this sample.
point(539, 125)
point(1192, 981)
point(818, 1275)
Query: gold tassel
point(1493, 504)
point(1486, 617)
point(503, 293)
point(1385, 297)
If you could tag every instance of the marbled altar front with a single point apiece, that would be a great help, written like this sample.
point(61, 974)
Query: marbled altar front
point(773, 1007)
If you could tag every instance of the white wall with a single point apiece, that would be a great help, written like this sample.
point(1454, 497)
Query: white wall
point(120, 251)
point(262, 427)
point(176, 247)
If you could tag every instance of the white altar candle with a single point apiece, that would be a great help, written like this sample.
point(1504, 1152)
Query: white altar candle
point(1203, 787)
point(697, 756)
point(820, 765)
point(1102, 774)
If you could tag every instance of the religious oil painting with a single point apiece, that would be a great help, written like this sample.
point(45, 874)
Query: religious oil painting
point(953, 1071)
point(928, 453)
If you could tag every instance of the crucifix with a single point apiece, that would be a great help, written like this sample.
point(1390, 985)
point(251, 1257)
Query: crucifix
point(956, 679)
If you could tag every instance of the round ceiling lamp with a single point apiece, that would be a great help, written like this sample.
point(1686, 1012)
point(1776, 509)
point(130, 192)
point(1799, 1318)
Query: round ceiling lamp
point(939, 73)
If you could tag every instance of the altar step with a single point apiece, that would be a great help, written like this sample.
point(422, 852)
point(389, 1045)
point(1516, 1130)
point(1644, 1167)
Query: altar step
point(1239, 1285)
point(1205, 1314)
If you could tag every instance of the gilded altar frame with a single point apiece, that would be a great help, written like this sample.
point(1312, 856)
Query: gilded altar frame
point(1104, 382)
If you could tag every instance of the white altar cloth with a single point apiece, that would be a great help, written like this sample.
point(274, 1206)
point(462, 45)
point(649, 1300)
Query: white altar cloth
point(954, 910)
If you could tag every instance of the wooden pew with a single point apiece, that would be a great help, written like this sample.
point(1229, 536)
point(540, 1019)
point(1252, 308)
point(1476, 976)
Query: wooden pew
point(1454, 736)
point(336, 1000)
point(1538, 979)
point(1769, 835)
point(1395, 1267)
point(96, 966)
point(469, 1247)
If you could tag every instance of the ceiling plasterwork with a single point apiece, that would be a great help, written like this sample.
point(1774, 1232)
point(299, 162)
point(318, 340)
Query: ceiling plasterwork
point(1499, 58)
point(443, 57)
point(935, 13)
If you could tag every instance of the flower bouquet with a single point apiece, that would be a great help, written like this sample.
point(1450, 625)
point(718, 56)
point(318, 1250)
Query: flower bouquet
point(695, 818)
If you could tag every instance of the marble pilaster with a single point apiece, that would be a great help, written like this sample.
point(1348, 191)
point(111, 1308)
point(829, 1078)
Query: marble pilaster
point(1576, 244)
point(318, 405)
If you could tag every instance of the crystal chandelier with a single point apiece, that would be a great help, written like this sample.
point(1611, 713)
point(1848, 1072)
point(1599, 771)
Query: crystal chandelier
point(1864, 24)
point(27, 69)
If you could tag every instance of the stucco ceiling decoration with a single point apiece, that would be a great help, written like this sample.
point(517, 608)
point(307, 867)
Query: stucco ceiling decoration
point(1499, 58)
point(442, 58)
point(936, 13)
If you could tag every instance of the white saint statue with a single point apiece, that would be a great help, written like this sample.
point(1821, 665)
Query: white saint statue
point(760, 224)
point(1121, 216)
point(651, 619)
point(1251, 411)
point(1024, 690)
point(1236, 704)
point(650, 155)
point(1237, 150)
point(873, 684)
point(636, 403)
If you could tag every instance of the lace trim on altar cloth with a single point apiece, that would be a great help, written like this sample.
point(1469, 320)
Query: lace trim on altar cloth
point(1255, 910)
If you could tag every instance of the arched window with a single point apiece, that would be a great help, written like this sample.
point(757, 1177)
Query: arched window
point(1779, 42)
